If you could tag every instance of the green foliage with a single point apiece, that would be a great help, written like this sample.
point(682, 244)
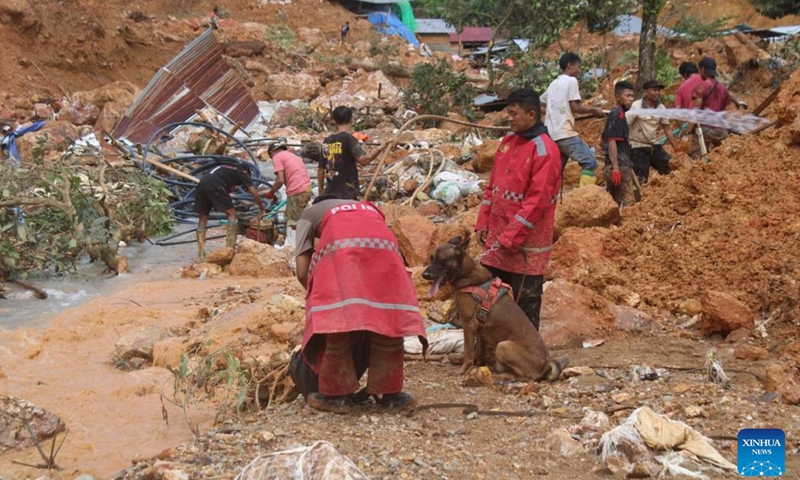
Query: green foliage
point(305, 118)
point(427, 8)
point(542, 21)
point(55, 215)
point(436, 89)
point(530, 71)
point(380, 48)
point(666, 71)
point(281, 36)
point(777, 8)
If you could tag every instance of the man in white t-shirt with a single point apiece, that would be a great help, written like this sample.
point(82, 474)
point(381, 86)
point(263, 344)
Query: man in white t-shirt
point(562, 100)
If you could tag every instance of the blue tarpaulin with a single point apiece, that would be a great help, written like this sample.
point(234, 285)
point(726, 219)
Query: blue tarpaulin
point(388, 24)
point(9, 141)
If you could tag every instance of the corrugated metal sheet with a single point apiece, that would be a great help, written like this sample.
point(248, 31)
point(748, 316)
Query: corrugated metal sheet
point(429, 26)
point(473, 35)
point(197, 77)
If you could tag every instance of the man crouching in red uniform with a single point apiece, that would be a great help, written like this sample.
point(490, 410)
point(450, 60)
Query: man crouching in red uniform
point(360, 297)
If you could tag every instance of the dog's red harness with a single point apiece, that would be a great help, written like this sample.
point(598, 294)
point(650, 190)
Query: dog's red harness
point(487, 295)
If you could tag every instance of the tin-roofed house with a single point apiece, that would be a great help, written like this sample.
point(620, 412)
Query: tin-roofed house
point(435, 33)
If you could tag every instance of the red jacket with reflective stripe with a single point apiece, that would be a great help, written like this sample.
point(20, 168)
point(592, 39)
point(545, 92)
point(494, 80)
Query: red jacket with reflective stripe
point(519, 205)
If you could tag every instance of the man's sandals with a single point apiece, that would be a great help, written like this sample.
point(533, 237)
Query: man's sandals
point(395, 402)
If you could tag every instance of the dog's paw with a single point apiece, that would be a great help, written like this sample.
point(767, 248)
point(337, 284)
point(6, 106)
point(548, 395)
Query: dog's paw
point(556, 367)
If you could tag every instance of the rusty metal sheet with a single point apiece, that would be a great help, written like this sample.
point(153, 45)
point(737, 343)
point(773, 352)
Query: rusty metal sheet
point(198, 77)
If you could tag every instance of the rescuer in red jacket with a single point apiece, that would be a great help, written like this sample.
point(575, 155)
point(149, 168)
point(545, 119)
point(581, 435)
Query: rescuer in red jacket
point(515, 223)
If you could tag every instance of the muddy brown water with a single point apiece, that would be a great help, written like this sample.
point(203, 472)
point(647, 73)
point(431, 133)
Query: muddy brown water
point(57, 353)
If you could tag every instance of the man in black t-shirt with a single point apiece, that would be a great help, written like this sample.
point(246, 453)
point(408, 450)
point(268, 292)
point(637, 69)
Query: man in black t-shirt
point(337, 174)
point(618, 170)
point(213, 192)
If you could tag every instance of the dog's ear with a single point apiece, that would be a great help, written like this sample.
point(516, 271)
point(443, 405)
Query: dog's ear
point(464, 244)
point(455, 241)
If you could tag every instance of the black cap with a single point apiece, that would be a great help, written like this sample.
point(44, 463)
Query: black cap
point(652, 84)
point(709, 65)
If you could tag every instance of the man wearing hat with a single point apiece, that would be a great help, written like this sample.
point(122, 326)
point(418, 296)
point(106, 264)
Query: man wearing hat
point(714, 96)
point(645, 133)
point(290, 171)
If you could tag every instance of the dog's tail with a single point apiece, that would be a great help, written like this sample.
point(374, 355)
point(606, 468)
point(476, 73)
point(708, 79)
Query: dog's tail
point(555, 368)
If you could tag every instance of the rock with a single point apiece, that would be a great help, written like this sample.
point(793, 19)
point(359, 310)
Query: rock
point(693, 411)
point(629, 319)
point(572, 313)
point(259, 260)
point(620, 294)
point(588, 206)
point(287, 332)
point(612, 465)
point(78, 112)
point(431, 136)
point(410, 185)
point(736, 335)
point(288, 86)
point(645, 469)
point(139, 343)
point(682, 388)
point(445, 232)
point(13, 433)
point(723, 313)
point(221, 256)
point(577, 252)
point(750, 353)
point(794, 132)
point(690, 307)
point(18, 13)
point(201, 270)
point(774, 377)
point(621, 397)
point(52, 139)
point(395, 211)
point(109, 116)
point(484, 155)
point(360, 91)
point(164, 471)
point(122, 93)
point(168, 352)
point(455, 128)
point(43, 111)
point(790, 391)
point(431, 208)
point(256, 66)
point(577, 371)
point(561, 442)
point(414, 234)
point(787, 104)
point(594, 424)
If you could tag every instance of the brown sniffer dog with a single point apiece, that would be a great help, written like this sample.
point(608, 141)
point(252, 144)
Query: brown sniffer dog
point(506, 339)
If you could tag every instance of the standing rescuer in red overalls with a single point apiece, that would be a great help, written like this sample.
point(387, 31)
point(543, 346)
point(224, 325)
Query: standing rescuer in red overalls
point(360, 297)
point(517, 214)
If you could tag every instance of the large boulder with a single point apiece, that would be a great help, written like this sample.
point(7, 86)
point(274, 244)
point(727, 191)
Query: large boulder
point(587, 206)
point(78, 112)
point(414, 234)
point(361, 90)
point(39, 424)
point(484, 155)
point(254, 259)
point(139, 343)
point(121, 93)
point(395, 211)
point(723, 313)
point(572, 313)
point(289, 86)
point(444, 232)
point(109, 116)
point(577, 252)
point(52, 139)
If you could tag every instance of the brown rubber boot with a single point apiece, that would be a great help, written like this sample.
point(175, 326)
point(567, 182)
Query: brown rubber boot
point(201, 244)
point(230, 235)
point(340, 405)
point(397, 402)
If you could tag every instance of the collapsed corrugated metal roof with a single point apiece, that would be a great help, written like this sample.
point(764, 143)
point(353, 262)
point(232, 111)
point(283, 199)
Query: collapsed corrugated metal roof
point(196, 78)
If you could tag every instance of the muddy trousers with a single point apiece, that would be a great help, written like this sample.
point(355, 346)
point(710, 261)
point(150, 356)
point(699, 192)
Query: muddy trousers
point(337, 373)
point(530, 292)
